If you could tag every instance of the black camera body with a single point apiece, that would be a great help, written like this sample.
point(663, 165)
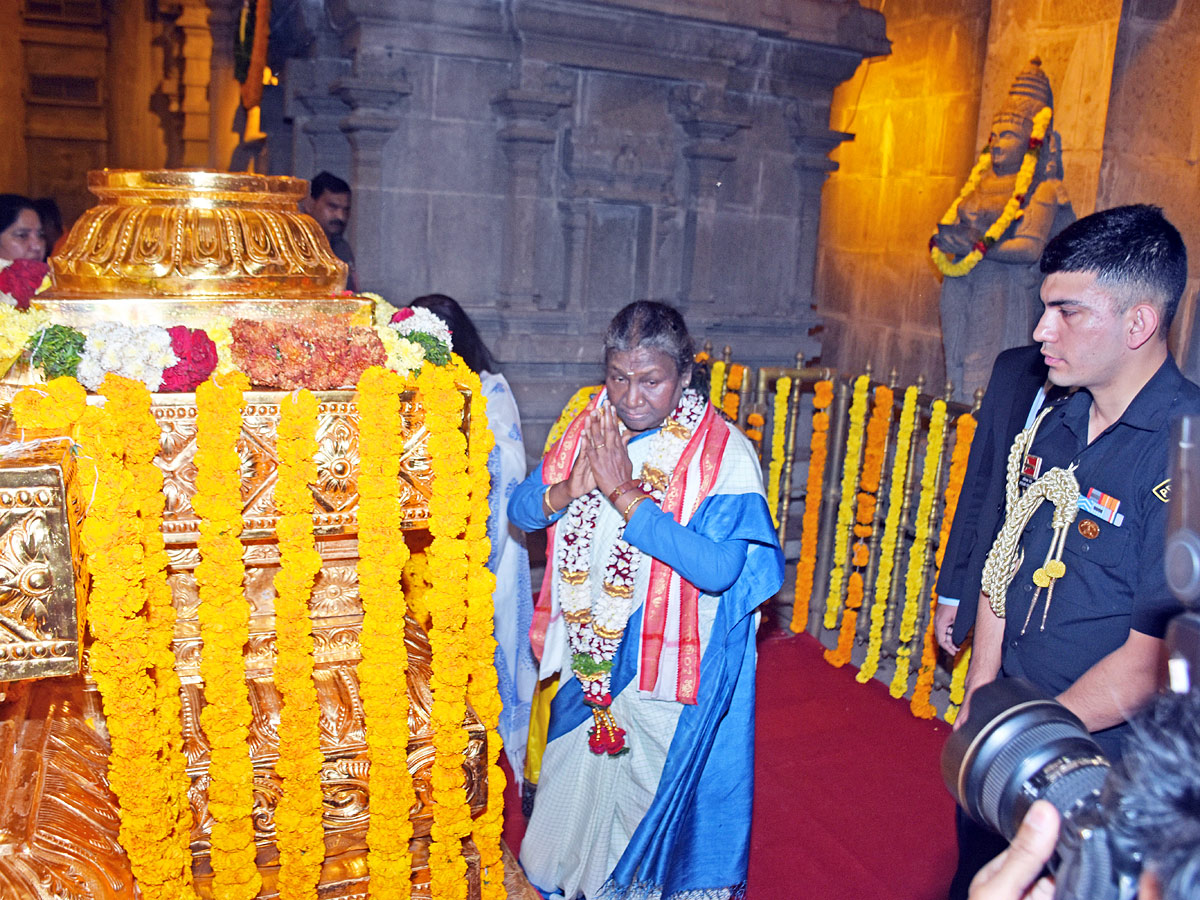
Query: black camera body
point(1019, 746)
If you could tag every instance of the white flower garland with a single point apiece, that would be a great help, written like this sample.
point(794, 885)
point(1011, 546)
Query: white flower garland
point(596, 619)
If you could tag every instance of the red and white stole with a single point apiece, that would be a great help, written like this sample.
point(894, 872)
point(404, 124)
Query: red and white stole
point(669, 660)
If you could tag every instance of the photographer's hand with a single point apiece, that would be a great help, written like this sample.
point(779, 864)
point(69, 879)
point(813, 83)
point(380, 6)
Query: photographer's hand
point(1010, 876)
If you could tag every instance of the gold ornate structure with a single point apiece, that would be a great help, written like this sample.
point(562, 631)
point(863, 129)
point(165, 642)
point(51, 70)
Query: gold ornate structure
point(157, 248)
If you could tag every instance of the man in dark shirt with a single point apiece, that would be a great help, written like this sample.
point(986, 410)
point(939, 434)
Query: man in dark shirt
point(328, 202)
point(1112, 283)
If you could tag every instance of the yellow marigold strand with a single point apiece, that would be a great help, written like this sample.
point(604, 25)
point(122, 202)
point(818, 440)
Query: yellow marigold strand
point(845, 514)
point(716, 386)
point(891, 536)
point(818, 450)
point(482, 691)
point(130, 661)
point(300, 834)
point(448, 562)
point(224, 630)
point(914, 579)
point(783, 391)
point(958, 682)
point(964, 434)
point(872, 468)
point(382, 555)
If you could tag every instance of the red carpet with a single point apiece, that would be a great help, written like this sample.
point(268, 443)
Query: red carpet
point(848, 799)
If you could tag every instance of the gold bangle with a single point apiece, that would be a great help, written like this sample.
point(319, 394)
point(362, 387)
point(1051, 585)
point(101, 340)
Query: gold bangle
point(546, 500)
point(632, 505)
point(621, 488)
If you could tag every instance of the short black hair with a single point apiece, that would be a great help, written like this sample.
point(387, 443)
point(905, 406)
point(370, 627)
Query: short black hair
point(326, 183)
point(647, 323)
point(1133, 249)
point(1156, 793)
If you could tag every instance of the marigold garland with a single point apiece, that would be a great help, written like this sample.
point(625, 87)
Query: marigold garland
point(964, 429)
point(914, 578)
point(382, 555)
point(300, 834)
point(958, 683)
point(754, 425)
point(783, 391)
point(131, 658)
point(733, 382)
point(1012, 209)
point(891, 536)
point(810, 523)
point(845, 515)
point(872, 469)
point(447, 553)
point(730, 404)
point(716, 383)
point(224, 617)
point(482, 689)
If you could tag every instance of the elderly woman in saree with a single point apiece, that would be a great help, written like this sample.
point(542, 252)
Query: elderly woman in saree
point(660, 550)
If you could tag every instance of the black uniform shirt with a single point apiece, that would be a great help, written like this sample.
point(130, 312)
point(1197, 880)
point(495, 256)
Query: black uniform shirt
point(1114, 579)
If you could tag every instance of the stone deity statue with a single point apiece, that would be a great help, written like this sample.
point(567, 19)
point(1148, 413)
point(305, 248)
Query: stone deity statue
point(988, 243)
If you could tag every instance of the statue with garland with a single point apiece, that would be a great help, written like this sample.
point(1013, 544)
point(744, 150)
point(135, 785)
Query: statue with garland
point(988, 243)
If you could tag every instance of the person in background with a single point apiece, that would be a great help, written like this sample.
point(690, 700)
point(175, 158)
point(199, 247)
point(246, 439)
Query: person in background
point(660, 552)
point(21, 234)
point(52, 223)
point(512, 599)
point(328, 202)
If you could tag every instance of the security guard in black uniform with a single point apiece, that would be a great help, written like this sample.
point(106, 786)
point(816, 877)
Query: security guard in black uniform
point(1085, 614)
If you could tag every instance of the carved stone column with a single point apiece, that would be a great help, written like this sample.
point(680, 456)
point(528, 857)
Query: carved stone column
point(710, 125)
point(527, 137)
point(374, 117)
point(197, 49)
point(813, 142)
point(223, 88)
point(316, 115)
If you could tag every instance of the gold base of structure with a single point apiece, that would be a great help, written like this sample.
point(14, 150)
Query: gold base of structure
point(174, 248)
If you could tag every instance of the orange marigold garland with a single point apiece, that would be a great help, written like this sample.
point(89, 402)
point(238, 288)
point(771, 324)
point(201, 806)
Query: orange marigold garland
point(443, 404)
point(964, 429)
point(754, 426)
point(914, 577)
point(224, 630)
point(817, 451)
point(864, 521)
point(300, 834)
point(891, 536)
point(382, 555)
point(482, 691)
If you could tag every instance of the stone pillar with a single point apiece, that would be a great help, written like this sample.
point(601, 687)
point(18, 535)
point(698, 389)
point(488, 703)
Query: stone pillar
point(813, 142)
point(316, 114)
point(527, 137)
point(223, 95)
point(196, 50)
point(374, 117)
point(705, 120)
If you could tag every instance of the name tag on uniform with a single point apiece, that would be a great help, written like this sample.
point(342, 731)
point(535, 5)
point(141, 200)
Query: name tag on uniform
point(1102, 506)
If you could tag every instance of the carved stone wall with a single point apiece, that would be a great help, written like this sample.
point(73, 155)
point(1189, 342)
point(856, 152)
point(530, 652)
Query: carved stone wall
point(548, 161)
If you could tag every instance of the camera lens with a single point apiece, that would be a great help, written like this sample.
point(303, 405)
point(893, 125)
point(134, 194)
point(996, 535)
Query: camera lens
point(1018, 747)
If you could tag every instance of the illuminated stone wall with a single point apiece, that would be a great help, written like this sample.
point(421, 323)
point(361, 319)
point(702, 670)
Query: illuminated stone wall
point(913, 115)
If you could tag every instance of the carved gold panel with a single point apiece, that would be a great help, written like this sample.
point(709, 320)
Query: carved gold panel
point(41, 578)
point(335, 492)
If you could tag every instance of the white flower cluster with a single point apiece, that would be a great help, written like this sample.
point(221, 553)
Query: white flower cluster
point(425, 321)
point(138, 352)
